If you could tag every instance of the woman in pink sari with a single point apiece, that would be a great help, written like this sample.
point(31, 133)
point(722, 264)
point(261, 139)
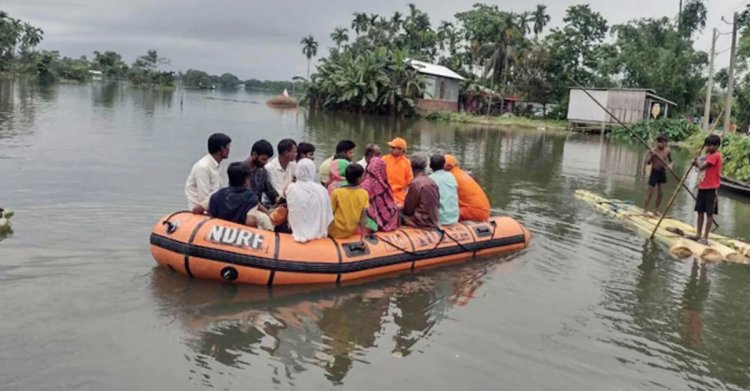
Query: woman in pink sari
point(383, 213)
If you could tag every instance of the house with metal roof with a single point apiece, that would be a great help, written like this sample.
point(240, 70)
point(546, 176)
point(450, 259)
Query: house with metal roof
point(442, 87)
point(629, 105)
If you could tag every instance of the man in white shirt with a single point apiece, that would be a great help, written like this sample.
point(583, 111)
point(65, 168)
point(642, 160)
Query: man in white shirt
point(371, 151)
point(205, 177)
point(281, 168)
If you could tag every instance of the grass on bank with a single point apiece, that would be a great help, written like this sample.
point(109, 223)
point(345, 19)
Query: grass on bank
point(522, 122)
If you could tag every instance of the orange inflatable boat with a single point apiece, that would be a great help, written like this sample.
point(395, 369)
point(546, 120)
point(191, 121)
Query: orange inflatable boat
point(204, 247)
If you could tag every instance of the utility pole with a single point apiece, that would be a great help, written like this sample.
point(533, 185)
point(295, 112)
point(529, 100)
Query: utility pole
point(679, 18)
point(710, 86)
point(730, 84)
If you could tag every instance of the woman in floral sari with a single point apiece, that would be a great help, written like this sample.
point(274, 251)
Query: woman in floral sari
point(383, 213)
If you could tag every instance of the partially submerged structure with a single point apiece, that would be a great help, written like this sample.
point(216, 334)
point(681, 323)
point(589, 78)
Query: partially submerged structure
point(629, 105)
point(442, 87)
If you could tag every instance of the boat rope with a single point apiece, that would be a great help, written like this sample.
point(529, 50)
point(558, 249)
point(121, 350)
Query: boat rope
point(415, 253)
point(443, 235)
point(171, 227)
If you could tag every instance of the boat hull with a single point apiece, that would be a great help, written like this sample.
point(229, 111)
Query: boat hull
point(207, 248)
point(735, 186)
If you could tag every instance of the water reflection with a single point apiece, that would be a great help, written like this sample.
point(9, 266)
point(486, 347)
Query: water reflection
point(693, 300)
point(299, 328)
point(682, 327)
point(19, 101)
point(106, 94)
point(149, 100)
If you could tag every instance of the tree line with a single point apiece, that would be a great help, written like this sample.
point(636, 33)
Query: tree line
point(200, 79)
point(504, 53)
point(18, 55)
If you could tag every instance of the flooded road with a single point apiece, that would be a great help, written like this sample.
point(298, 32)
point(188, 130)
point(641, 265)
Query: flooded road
point(590, 305)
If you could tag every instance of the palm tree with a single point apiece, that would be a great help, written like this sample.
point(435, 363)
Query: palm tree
point(361, 22)
point(444, 31)
point(10, 34)
point(502, 48)
point(339, 36)
point(32, 36)
point(523, 22)
point(540, 18)
point(396, 21)
point(309, 49)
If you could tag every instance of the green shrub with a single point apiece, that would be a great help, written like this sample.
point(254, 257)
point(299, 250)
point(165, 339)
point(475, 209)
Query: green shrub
point(675, 129)
point(735, 150)
point(439, 116)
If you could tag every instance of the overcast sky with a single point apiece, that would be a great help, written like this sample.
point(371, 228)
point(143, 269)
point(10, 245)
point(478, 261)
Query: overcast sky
point(260, 39)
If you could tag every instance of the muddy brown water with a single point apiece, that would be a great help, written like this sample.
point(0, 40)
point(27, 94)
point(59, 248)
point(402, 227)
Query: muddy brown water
point(590, 305)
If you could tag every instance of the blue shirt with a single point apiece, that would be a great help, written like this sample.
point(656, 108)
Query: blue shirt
point(448, 187)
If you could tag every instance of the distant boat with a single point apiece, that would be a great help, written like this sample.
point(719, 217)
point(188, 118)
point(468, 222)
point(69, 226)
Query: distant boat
point(282, 101)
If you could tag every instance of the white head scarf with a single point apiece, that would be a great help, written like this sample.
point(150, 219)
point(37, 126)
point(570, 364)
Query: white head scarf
point(309, 205)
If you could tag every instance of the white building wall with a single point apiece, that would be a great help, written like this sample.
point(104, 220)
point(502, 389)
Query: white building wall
point(581, 108)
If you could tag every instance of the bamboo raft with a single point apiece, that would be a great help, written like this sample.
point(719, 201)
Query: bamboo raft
point(671, 232)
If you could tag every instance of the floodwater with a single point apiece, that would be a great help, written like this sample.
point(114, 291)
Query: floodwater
point(590, 305)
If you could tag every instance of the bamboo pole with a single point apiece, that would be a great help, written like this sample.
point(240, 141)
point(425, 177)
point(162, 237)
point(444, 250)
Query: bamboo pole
point(682, 182)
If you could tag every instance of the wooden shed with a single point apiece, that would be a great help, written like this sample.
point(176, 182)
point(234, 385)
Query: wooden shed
point(629, 105)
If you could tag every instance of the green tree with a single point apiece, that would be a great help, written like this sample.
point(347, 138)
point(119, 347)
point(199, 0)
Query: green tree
point(522, 21)
point(693, 18)
point(339, 36)
point(541, 18)
point(495, 38)
point(198, 79)
point(397, 21)
point(32, 36)
point(576, 49)
point(309, 49)
point(361, 22)
point(229, 80)
point(535, 75)
point(145, 70)
point(377, 81)
point(11, 31)
point(651, 53)
point(110, 64)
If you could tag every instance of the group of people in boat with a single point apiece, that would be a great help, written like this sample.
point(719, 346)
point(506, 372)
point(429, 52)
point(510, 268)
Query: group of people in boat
point(288, 193)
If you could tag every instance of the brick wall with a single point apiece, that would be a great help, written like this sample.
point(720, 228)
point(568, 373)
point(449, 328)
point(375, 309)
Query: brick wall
point(426, 106)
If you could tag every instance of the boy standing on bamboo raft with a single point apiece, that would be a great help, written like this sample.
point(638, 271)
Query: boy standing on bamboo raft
point(657, 159)
point(707, 202)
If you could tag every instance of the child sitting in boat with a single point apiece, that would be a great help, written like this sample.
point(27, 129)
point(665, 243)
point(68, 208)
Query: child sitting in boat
point(349, 204)
point(707, 201)
point(238, 203)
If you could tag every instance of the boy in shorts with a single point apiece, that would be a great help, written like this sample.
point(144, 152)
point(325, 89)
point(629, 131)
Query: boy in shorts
point(658, 159)
point(707, 202)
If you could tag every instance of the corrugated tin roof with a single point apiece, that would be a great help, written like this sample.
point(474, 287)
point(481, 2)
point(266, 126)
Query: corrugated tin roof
point(614, 89)
point(434, 69)
point(649, 92)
